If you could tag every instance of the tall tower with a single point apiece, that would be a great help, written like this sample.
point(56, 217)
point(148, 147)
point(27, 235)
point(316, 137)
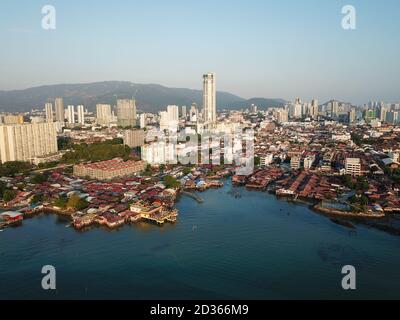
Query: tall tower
point(126, 112)
point(71, 114)
point(210, 98)
point(49, 112)
point(103, 114)
point(81, 114)
point(60, 113)
point(314, 109)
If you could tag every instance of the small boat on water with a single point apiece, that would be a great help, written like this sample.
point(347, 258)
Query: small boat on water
point(1, 230)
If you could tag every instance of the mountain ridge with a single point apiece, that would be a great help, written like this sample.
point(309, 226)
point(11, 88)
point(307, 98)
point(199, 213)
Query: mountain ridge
point(150, 97)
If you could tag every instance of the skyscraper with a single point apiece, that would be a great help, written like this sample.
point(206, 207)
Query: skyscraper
point(143, 121)
point(209, 98)
point(71, 114)
point(193, 113)
point(103, 114)
point(164, 120)
point(184, 112)
point(314, 109)
point(134, 138)
point(48, 107)
point(352, 115)
point(126, 113)
point(334, 108)
point(59, 108)
point(81, 114)
point(23, 142)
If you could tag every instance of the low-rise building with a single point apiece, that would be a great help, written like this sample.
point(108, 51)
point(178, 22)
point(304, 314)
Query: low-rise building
point(353, 166)
point(108, 170)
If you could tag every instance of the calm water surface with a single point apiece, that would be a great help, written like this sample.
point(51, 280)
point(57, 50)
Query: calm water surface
point(238, 244)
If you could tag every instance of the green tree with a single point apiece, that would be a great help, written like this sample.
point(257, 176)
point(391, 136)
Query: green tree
point(9, 195)
point(171, 182)
point(39, 179)
point(60, 203)
point(75, 202)
point(37, 198)
point(12, 168)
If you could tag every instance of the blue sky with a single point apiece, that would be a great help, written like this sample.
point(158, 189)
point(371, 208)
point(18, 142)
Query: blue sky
point(258, 48)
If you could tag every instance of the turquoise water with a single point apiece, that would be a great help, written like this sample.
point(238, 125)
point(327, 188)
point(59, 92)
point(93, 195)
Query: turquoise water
point(238, 244)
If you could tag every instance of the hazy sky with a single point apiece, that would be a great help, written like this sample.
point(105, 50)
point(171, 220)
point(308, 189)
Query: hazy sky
point(258, 48)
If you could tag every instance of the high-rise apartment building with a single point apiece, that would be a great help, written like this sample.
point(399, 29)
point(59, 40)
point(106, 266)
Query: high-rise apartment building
point(27, 141)
point(164, 121)
point(134, 138)
point(314, 109)
point(392, 117)
point(71, 114)
point(193, 114)
point(184, 112)
point(173, 116)
point(81, 114)
point(334, 108)
point(126, 113)
point(143, 121)
point(209, 98)
point(59, 109)
point(48, 107)
point(282, 116)
point(352, 115)
point(103, 114)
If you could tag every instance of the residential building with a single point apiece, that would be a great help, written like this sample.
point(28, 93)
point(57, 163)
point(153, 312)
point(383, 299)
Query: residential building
point(353, 166)
point(103, 114)
point(81, 114)
point(12, 119)
point(159, 153)
point(143, 121)
point(59, 109)
point(108, 170)
point(295, 163)
point(48, 107)
point(126, 113)
point(71, 114)
point(26, 141)
point(134, 138)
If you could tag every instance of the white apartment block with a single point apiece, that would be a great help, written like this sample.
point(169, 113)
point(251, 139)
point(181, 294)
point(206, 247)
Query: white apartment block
point(71, 114)
point(27, 141)
point(134, 138)
point(353, 166)
point(308, 162)
point(266, 160)
point(158, 153)
point(103, 114)
point(48, 107)
point(81, 114)
point(295, 163)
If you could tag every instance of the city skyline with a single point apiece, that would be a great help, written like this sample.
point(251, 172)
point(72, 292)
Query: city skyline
point(263, 50)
